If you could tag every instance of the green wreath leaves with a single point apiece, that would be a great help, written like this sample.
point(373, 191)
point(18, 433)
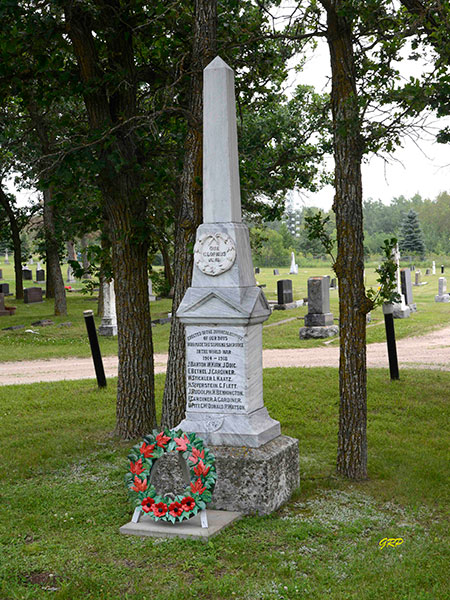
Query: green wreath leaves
point(201, 465)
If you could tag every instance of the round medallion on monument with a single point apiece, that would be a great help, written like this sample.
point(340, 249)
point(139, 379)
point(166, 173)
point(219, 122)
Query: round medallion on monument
point(201, 473)
point(214, 253)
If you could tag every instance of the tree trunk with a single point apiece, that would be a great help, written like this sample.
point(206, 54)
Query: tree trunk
point(17, 244)
point(166, 261)
point(84, 258)
point(190, 210)
point(53, 264)
point(353, 304)
point(49, 283)
point(125, 204)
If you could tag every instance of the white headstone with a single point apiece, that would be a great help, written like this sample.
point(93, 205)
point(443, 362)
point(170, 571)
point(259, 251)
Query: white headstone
point(224, 309)
point(151, 297)
point(108, 326)
point(6, 258)
point(401, 310)
point(433, 267)
point(294, 269)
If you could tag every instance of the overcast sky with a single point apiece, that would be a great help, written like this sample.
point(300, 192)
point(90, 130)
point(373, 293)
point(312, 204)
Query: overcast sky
point(422, 167)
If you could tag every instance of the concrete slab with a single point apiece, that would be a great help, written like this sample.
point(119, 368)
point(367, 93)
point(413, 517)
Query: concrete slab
point(191, 529)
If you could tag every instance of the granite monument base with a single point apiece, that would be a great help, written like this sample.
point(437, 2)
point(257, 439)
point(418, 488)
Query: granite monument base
point(401, 312)
point(288, 306)
point(327, 331)
point(318, 319)
point(191, 529)
point(107, 329)
point(443, 298)
point(249, 480)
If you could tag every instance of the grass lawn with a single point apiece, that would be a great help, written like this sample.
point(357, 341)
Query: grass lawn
point(62, 341)
point(62, 500)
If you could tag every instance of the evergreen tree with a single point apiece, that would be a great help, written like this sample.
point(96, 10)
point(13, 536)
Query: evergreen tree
point(411, 237)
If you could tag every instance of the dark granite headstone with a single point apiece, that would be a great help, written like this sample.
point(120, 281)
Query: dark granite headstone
point(405, 277)
point(31, 295)
point(3, 311)
point(40, 275)
point(1, 274)
point(333, 284)
point(442, 268)
point(27, 274)
point(4, 288)
point(427, 272)
point(284, 291)
point(276, 272)
point(318, 302)
point(256, 270)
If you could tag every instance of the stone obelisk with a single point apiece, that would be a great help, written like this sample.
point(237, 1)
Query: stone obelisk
point(223, 311)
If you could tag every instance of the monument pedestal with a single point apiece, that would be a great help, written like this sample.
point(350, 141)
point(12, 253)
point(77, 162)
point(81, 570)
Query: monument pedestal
point(249, 480)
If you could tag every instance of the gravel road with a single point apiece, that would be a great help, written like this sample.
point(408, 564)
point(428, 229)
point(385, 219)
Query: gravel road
point(430, 351)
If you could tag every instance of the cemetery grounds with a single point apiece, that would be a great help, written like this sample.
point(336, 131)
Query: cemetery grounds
point(62, 497)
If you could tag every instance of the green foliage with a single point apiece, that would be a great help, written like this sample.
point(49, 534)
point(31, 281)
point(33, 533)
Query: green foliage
point(411, 237)
point(387, 276)
point(315, 226)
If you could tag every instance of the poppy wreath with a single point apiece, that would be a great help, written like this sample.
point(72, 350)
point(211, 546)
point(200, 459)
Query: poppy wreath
point(202, 471)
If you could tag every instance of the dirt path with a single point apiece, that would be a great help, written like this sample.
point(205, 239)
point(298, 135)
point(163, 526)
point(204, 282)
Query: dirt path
point(431, 351)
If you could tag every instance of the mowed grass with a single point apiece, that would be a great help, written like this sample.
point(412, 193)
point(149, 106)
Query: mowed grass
point(62, 501)
point(58, 341)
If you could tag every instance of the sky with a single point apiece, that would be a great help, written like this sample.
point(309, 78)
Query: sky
point(421, 167)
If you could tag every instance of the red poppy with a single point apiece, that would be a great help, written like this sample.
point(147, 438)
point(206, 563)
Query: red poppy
point(139, 486)
point(147, 450)
point(175, 509)
point(137, 467)
point(147, 504)
point(196, 454)
point(200, 469)
point(159, 509)
point(182, 443)
point(197, 487)
point(188, 503)
point(161, 439)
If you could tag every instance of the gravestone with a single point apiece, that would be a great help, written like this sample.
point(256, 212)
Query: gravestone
point(40, 275)
point(406, 287)
point(6, 258)
point(70, 275)
point(257, 270)
point(427, 272)
point(442, 295)
point(276, 272)
point(285, 296)
point(400, 309)
point(333, 284)
point(442, 269)
point(151, 296)
point(108, 325)
point(223, 312)
point(319, 320)
point(4, 312)
point(32, 295)
point(433, 268)
point(1, 274)
point(27, 275)
point(4, 289)
point(294, 267)
point(417, 280)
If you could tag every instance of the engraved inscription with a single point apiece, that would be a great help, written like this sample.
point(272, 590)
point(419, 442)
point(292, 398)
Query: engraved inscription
point(214, 253)
point(215, 371)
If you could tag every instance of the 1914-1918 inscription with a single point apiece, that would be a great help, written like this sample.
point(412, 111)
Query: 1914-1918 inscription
point(215, 370)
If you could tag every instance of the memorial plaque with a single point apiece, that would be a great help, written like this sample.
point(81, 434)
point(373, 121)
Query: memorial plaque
point(215, 370)
point(214, 253)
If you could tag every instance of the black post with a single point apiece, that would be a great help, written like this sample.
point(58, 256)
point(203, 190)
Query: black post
point(388, 311)
point(95, 348)
point(442, 268)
